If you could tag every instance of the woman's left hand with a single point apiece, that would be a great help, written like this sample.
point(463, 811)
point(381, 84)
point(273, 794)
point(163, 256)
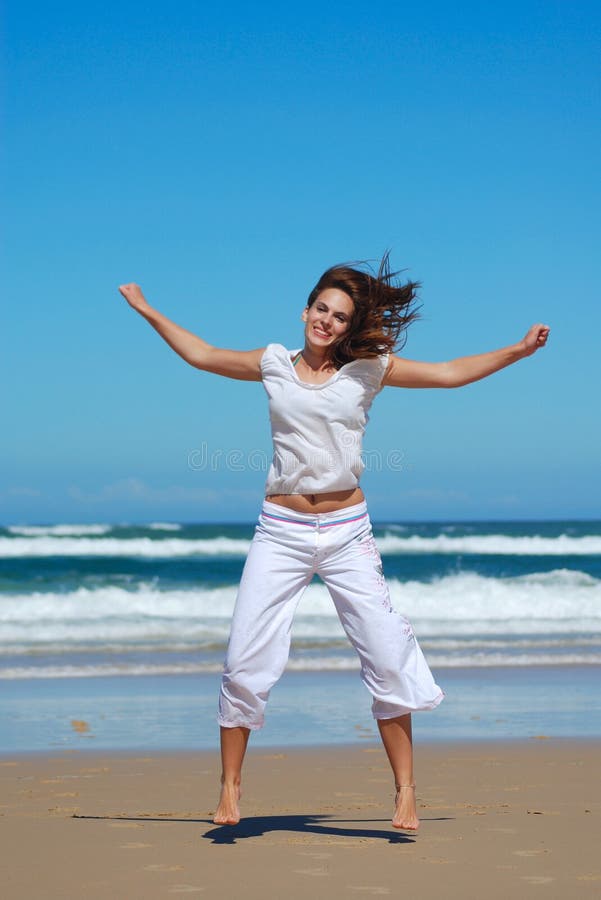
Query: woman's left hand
point(535, 339)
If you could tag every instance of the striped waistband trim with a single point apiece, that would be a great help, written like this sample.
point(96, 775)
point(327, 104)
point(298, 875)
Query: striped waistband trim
point(314, 522)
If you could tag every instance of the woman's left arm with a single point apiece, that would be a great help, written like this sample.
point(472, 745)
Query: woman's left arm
point(457, 372)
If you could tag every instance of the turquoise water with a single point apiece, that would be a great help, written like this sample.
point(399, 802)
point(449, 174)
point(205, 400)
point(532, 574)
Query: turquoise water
point(95, 600)
point(125, 627)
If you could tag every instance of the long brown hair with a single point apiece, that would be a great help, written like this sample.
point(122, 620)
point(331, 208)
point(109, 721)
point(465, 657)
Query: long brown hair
point(383, 308)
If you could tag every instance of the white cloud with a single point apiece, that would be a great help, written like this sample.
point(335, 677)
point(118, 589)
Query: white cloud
point(135, 489)
point(436, 494)
point(20, 491)
point(508, 500)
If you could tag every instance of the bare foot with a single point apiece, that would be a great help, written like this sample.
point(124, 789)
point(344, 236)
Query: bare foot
point(228, 811)
point(405, 812)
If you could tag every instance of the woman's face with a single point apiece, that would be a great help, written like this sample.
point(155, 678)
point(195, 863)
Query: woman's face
point(328, 318)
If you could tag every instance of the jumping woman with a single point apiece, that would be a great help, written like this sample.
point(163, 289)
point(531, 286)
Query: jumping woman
point(314, 518)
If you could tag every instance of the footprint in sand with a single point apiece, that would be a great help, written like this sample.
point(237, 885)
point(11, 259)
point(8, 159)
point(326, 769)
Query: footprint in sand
point(315, 872)
point(503, 830)
point(348, 794)
point(374, 891)
point(537, 879)
point(185, 889)
point(162, 867)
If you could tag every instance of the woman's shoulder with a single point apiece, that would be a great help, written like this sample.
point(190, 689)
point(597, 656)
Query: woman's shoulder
point(278, 351)
point(274, 357)
point(369, 369)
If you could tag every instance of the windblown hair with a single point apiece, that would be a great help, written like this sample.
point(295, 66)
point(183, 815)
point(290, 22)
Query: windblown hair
point(383, 309)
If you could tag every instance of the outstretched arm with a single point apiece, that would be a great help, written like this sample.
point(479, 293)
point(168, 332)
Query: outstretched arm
point(244, 365)
point(457, 372)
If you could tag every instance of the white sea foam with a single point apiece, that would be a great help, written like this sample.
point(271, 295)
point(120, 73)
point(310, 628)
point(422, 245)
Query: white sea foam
point(58, 530)
point(561, 602)
point(37, 541)
point(492, 544)
point(308, 645)
point(562, 599)
point(122, 547)
point(165, 526)
point(316, 664)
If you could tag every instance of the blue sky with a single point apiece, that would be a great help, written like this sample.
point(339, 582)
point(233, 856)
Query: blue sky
point(223, 158)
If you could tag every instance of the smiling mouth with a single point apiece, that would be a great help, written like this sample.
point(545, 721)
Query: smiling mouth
point(321, 333)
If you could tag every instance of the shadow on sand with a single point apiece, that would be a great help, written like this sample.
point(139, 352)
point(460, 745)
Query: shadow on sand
point(258, 826)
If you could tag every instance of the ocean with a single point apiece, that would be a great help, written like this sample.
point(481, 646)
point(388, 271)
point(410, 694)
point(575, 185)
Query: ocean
point(106, 610)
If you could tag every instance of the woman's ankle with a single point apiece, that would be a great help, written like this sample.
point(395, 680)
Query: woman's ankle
point(231, 780)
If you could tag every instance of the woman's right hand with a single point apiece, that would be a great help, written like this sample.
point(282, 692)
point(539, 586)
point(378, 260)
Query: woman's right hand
point(134, 296)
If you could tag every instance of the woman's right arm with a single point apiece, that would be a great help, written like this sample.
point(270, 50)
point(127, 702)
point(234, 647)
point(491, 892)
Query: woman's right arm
point(244, 365)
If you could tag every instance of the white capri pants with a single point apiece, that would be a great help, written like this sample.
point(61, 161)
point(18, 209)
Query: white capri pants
point(287, 550)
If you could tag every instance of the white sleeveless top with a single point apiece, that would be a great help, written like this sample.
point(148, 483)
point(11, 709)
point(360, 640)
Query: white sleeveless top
point(317, 429)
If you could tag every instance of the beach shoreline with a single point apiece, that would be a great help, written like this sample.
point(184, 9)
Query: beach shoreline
point(178, 712)
point(515, 816)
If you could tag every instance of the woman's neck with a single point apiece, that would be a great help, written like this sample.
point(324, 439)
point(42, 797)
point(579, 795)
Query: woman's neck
point(314, 360)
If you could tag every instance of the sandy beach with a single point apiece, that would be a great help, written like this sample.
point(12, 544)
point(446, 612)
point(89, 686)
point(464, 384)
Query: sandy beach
point(508, 819)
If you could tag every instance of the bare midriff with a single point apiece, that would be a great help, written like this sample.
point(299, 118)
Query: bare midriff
point(318, 503)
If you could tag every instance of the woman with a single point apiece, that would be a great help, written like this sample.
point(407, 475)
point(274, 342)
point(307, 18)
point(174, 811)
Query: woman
point(314, 518)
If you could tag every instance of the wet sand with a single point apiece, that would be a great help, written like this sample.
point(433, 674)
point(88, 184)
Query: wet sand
point(514, 819)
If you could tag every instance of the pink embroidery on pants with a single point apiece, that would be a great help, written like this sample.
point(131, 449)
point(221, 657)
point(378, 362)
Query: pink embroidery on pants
point(408, 630)
point(369, 548)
